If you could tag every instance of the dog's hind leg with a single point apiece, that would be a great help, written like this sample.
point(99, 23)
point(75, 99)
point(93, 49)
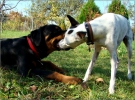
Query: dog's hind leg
point(113, 72)
point(95, 56)
point(23, 66)
point(128, 43)
point(114, 64)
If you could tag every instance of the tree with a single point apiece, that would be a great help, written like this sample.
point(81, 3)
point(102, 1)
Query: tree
point(88, 11)
point(15, 21)
point(53, 10)
point(4, 7)
point(118, 8)
point(131, 11)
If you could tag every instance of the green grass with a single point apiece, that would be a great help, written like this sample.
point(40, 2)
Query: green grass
point(75, 63)
point(13, 34)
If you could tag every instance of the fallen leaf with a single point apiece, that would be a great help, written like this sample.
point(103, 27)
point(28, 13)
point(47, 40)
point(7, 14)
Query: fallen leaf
point(33, 88)
point(99, 80)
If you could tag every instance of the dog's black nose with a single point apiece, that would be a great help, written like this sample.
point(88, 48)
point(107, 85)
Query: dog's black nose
point(67, 49)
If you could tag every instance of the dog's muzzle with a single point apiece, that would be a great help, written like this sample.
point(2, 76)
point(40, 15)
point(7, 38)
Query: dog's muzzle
point(62, 48)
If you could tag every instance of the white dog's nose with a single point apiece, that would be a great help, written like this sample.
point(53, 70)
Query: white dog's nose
point(62, 44)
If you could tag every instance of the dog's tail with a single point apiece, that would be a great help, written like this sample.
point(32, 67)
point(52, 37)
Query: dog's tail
point(129, 34)
point(128, 41)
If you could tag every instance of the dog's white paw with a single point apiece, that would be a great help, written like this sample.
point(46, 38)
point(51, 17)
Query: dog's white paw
point(111, 90)
point(129, 76)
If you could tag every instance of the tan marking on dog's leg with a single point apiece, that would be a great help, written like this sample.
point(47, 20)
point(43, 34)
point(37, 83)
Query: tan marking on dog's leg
point(65, 79)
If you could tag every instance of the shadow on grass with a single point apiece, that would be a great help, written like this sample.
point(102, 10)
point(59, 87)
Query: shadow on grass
point(103, 69)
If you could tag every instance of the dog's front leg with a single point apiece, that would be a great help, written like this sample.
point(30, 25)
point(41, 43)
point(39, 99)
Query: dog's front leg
point(89, 69)
point(113, 71)
point(49, 65)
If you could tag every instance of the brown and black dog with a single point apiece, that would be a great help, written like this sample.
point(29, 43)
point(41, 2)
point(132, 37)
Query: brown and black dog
point(25, 53)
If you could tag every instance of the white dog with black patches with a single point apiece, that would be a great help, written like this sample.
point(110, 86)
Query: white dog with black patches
point(108, 31)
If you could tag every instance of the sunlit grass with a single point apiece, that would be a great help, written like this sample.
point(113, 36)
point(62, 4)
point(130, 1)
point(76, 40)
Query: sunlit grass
point(75, 63)
point(13, 34)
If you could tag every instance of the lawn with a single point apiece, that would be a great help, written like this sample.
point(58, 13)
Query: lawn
point(75, 63)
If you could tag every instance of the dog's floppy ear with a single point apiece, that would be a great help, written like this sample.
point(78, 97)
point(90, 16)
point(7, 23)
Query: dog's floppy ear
point(72, 20)
point(81, 34)
point(35, 36)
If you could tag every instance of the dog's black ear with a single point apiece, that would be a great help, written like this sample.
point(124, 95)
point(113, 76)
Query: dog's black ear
point(35, 36)
point(81, 34)
point(72, 20)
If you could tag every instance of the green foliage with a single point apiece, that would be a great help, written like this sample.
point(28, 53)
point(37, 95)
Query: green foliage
point(12, 25)
point(131, 11)
point(15, 21)
point(118, 8)
point(40, 13)
point(53, 10)
point(88, 11)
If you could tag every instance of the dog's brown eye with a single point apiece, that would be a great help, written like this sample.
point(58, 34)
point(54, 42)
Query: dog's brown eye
point(70, 31)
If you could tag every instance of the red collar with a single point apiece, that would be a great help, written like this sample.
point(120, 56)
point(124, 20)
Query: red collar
point(32, 47)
